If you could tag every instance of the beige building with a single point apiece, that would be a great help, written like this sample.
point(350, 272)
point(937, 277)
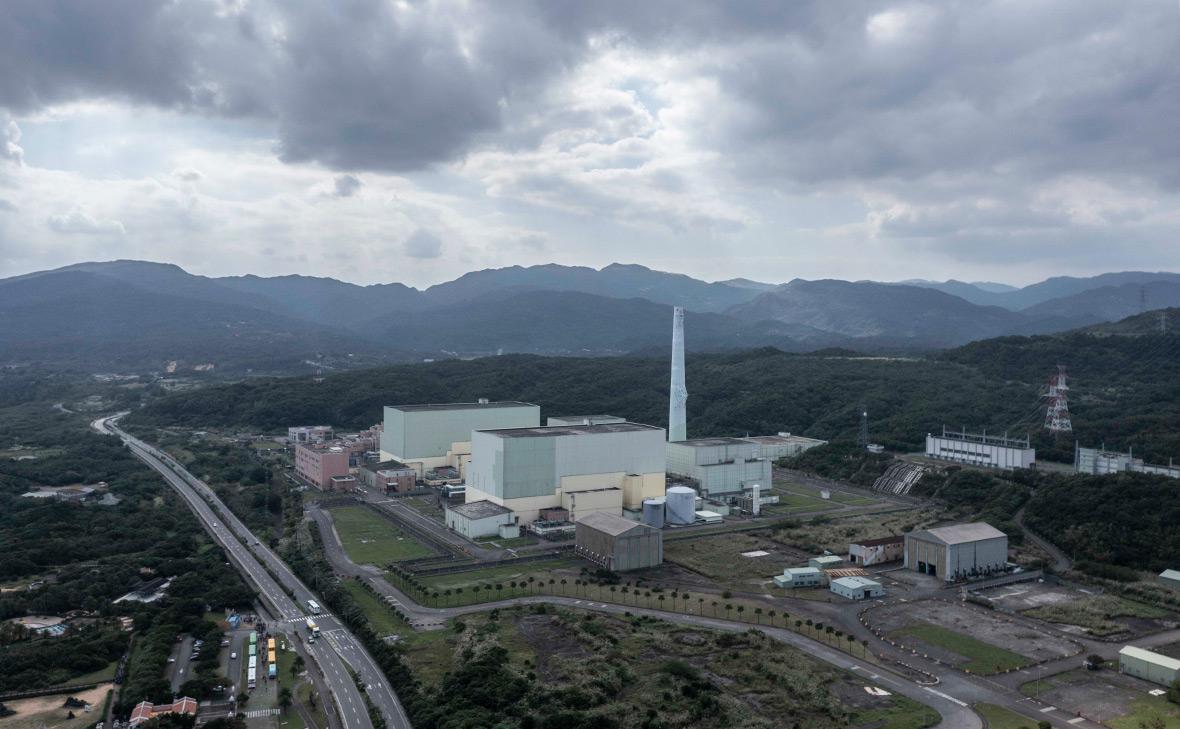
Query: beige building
point(581, 468)
point(957, 552)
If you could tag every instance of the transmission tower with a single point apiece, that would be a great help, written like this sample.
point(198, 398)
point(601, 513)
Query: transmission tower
point(1057, 414)
point(862, 438)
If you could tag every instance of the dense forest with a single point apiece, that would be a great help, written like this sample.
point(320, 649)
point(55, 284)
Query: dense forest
point(1124, 391)
point(83, 555)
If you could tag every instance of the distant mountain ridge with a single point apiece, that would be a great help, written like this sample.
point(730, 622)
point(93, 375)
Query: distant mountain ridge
point(136, 314)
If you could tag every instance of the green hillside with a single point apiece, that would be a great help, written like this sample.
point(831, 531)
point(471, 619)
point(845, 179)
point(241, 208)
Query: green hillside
point(1124, 390)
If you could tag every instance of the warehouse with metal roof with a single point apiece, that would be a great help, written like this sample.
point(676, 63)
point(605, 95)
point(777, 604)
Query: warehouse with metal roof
point(957, 552)
point(618, 544)
point(1148, 665)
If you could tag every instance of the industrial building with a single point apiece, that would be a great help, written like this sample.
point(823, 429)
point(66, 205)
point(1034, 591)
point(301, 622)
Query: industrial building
point(981, 449)
point(347, 482)
point(868, 552)
point(309, 434)
point(581, 468)
point(584, 420)
point(1148, 665)
point(388, 476)
point(478, 519)
point(783, 445)
point(429, 436)
point(318, 463)
point(1099, 461)
point(799, 577)
point(857, 588)
point(719, 466)
point(825, 562)
point(1170, 578)
point(957, 552)
point(618, 544)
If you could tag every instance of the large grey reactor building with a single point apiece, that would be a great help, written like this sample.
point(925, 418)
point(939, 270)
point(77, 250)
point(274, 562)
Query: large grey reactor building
point(430, 436)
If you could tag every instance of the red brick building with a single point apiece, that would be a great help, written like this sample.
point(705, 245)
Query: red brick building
point(145, 710)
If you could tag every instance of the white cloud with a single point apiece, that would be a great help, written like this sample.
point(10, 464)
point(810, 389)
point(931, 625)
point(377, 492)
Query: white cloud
point(422, 244)
point(80, 221)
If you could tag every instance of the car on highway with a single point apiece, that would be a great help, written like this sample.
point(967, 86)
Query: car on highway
point(233, 656)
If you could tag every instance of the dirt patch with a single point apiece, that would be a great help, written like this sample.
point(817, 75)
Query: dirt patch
point(1081, 612)
point(550, 640)
point(982, 625)
point(48, 711)
point(1100, 696)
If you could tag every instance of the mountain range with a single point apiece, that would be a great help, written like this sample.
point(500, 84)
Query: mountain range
point(138, 315)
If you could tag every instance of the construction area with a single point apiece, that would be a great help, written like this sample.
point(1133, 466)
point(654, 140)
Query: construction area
point(968, 637)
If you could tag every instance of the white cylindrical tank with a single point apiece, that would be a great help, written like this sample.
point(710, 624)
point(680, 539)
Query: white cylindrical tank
point(653, 512)
point(681, 505)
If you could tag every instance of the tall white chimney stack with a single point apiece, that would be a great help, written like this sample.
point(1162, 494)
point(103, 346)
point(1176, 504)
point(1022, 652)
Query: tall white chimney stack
point(678, 395)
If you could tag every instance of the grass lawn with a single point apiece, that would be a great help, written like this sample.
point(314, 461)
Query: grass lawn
point(379, 616)
point(1042, 685)
point(370, 539)
point(840, 497)
point(998, 717)
point(791, 503)
point(983, 658)
point(1147, 709)
point(904, 714)
point(502, 575)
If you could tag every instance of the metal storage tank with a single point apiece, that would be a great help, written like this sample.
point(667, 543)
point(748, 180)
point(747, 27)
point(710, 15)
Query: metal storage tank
point(653, 512)
point(681, 505)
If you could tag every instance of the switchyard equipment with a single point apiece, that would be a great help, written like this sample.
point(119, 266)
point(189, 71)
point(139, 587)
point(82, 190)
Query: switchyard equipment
point(680, 505)
point(981, 449)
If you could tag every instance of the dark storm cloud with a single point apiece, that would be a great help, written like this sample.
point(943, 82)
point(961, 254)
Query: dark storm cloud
point(811, 93)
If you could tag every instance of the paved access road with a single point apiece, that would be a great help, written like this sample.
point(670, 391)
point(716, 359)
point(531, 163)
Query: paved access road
point(273, 579)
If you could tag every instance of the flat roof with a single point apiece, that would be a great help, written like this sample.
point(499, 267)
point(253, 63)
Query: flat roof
point(899, 539)
point(1172, 664)
point(1170, 574)
point(610, 524)
point(782, 439)
point(462, 406)
point(390, 465)
point(855, 581)
point(555, 431)
point(479, 509)
point(961, 533)
point(709, 442)
point(801, 571)
point(600, 416)
point(828, 558)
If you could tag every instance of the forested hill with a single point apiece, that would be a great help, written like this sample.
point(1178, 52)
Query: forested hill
point(1123, 392)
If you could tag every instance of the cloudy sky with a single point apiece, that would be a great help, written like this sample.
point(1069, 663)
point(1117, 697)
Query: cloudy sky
point(390, 140)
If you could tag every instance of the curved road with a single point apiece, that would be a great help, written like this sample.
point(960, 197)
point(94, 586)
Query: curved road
point(337, 651)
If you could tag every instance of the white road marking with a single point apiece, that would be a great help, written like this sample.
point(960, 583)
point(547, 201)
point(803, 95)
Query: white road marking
point(945, 696)
point(1078, 720)
point(1048, 709)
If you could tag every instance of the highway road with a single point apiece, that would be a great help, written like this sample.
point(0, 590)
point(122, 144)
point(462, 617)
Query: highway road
point(262, 568)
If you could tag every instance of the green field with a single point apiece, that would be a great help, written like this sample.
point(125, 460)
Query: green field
point(840, 497)
point(502, 575)
point(792, 503)
point(998, 717)
point(1146, 710)
point(380, 617)
point(983, 658)
point(101, 675)
point(370, 539)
